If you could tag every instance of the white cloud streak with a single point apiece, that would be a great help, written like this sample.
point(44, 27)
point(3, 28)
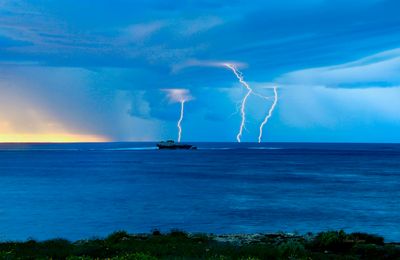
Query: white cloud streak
point(380, 70)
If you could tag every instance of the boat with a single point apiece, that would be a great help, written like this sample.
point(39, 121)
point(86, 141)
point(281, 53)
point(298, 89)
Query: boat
point(171, 145)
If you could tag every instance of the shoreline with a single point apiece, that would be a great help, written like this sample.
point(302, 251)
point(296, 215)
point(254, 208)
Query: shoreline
point(183, 245)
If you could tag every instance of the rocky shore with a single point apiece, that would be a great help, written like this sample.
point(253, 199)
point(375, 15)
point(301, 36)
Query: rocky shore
point(181, 245)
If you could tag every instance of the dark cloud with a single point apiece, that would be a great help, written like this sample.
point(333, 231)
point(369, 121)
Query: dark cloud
point(90, 62)
point(273, 37)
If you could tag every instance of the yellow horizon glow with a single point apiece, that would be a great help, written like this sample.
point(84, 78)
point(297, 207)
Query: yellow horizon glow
point(51, 138)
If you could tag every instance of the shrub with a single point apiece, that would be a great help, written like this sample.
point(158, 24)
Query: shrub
point(79, 258)
point(27, 249)
point(56, 248)
point(368, 238)
point(178, 233)
point(200, 238)
point(368, 251)
point(135, 256)
point(332, 241)
point(94, 248)
point(291, 249)
point(7, 255)
point(117, 237)
point(156, 232)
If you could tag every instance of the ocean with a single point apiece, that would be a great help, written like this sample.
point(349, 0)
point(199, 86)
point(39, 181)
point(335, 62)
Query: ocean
point(78, 191)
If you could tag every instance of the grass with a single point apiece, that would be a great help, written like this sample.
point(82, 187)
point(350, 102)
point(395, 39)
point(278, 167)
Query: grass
point(181, 245)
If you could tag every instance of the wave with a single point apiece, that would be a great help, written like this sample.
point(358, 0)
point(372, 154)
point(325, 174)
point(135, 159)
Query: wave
point(265, 148)
point(132, 149)
point(39, 149)
point(215, 148)
point(240, 148)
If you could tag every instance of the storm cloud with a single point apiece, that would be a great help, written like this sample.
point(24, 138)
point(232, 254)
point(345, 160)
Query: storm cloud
point(100, 67)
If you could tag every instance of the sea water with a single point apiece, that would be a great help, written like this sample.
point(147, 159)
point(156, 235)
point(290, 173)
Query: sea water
point(78, 191)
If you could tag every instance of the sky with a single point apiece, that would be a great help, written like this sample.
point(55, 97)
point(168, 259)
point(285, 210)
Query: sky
point(104, 70)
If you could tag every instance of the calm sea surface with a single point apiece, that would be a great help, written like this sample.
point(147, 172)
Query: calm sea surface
point(83, 190)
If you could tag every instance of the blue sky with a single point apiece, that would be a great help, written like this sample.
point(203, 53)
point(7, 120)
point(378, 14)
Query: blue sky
point(101, 68)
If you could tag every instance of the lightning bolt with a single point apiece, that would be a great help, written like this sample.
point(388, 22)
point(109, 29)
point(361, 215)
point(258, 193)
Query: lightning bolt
point(250, 91)
point(239, 76)
point(271, 110)
point(179, 95)
point(180, 120)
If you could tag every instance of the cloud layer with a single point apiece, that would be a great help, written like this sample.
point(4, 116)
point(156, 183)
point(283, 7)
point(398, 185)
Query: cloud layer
point(99, 68)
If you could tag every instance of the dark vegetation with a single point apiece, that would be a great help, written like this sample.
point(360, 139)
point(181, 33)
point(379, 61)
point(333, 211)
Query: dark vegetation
point(181, 245)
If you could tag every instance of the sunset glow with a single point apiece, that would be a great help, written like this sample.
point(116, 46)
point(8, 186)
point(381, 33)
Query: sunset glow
point(50, 138)
point(36, 126)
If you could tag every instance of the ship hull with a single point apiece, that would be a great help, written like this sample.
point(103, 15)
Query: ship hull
point(170, 145)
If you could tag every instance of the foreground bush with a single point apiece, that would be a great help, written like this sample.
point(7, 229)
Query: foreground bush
point(181, 245)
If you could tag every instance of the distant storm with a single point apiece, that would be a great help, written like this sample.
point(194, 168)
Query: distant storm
point(84, 71)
